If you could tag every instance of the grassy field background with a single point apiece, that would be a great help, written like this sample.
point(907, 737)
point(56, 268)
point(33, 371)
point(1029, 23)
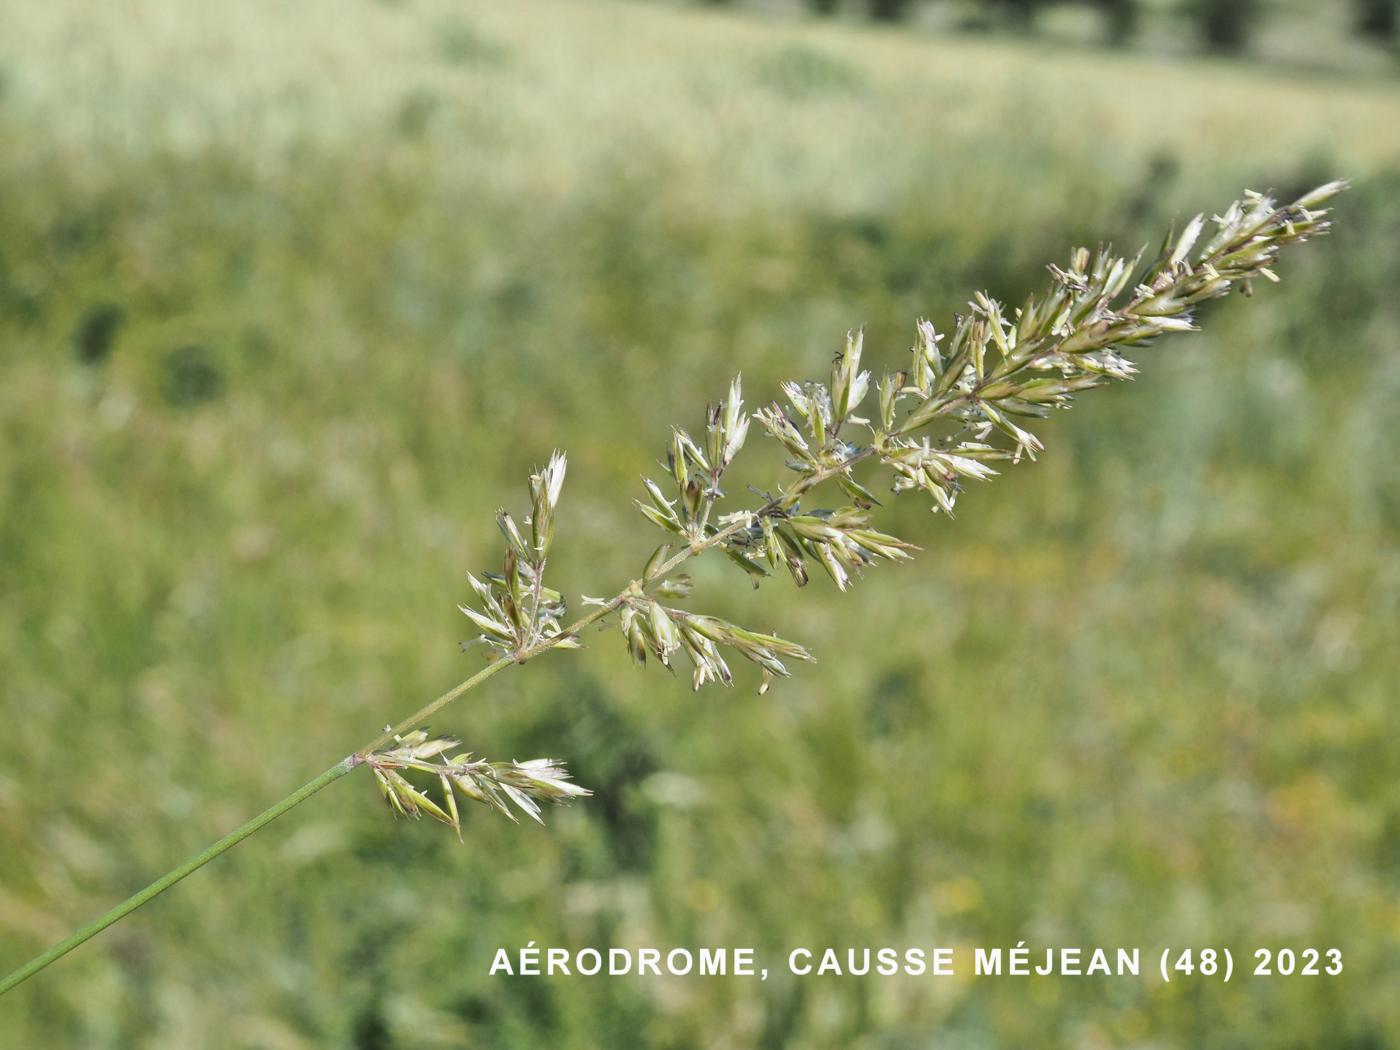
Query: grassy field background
point(291, 298)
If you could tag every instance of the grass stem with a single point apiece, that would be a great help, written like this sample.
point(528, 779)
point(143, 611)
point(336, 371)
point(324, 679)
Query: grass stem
point(173, 876)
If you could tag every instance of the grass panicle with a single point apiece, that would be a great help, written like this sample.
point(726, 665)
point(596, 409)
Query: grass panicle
point(965, 401)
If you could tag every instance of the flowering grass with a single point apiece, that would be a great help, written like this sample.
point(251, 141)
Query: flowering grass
point(999, 368)
point(1145, 689)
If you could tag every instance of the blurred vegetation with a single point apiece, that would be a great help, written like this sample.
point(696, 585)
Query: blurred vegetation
point(1297, 32)
point(1225, 24)
point(292, 297)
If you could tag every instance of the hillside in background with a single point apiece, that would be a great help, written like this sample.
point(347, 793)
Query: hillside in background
point(292, 297)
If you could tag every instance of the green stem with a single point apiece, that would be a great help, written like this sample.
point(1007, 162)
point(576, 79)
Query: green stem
point(424, 713)
point(169, 879)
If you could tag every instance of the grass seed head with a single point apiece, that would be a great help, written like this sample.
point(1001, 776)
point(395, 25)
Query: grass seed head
point(957, 409)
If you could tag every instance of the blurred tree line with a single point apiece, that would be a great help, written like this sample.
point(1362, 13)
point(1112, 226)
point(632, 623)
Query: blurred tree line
point(1224, 26)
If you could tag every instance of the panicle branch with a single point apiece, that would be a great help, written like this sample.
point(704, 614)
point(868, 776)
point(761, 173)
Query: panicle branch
point(517, 611)
point(493, 784)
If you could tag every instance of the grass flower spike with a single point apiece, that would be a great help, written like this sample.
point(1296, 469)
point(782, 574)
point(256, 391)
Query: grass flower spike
point(962, 404)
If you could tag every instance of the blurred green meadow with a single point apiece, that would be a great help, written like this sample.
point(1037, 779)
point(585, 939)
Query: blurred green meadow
point(293, 296)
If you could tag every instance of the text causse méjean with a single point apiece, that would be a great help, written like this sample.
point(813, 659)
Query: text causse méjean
point(1018, 961)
